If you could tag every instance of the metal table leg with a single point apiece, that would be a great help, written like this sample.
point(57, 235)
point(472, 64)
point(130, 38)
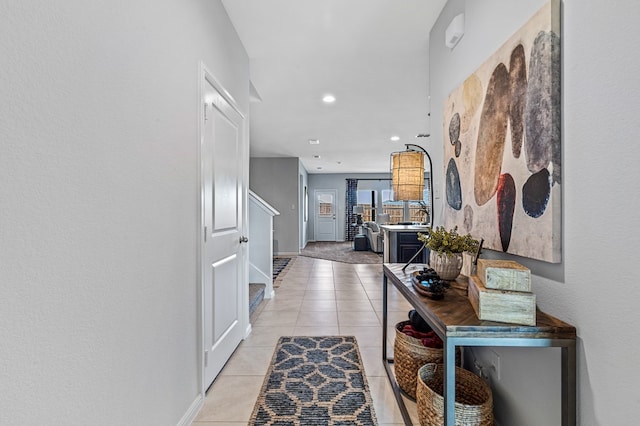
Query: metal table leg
point(450, 381)
point(569, 384)
point(384, 318)
point(397, 392)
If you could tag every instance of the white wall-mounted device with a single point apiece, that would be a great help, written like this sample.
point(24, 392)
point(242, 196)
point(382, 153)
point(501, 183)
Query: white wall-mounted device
point(454, 31)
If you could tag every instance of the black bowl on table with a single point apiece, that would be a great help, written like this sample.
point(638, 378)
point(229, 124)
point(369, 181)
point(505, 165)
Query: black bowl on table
point(428, 283)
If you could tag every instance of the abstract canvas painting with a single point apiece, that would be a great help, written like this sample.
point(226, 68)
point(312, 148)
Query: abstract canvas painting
point(502, 150)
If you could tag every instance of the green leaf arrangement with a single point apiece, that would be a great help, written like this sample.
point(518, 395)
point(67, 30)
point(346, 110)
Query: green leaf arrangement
point(448, 242)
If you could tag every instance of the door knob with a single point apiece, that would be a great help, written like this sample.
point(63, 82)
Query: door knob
point(243, 239)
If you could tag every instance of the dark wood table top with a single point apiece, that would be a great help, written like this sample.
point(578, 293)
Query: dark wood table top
point(454, 316)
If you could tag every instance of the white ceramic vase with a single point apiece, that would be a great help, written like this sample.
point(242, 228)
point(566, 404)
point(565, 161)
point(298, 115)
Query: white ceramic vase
point(447, 267)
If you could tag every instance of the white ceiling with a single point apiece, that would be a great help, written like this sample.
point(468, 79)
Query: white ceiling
point(371, 54)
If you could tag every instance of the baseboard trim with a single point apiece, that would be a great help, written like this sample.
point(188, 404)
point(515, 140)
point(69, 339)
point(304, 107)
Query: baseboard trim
point(286, 253)
point(192, 412)
point(336, 241)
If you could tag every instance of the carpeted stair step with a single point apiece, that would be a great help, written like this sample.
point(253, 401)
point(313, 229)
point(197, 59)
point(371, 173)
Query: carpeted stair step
point(256, 295)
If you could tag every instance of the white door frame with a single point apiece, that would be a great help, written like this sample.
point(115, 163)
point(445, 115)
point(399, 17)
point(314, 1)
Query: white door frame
point(302, 203)
point(206, 75)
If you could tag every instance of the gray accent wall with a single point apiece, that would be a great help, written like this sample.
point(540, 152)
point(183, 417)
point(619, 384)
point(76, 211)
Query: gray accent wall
point(276, 180)
point(594, 287)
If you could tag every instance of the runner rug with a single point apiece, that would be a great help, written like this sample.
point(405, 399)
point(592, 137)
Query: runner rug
point(315, 381)
point(279, 263)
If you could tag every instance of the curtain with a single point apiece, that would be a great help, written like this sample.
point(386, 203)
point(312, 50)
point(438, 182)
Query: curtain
point(350, 218)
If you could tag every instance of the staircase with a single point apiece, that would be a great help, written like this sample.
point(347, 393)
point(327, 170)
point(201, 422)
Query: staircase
point(256, 295)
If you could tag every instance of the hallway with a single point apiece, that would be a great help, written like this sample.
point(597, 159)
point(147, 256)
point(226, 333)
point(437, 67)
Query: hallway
point(315, 297)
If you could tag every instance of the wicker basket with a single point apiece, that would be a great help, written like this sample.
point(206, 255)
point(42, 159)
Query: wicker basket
point(409, 354)
point(474, 401)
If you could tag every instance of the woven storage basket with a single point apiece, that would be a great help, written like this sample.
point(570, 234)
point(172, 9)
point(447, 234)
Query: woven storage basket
point(474, 401)
point(409, 354)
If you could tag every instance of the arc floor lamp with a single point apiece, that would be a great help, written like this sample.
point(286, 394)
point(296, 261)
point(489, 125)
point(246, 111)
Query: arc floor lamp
point(407, 180)
point(407, 176)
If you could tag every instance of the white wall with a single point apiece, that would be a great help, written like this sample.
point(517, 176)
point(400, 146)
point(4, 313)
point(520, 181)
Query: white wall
point(99, 196)
point(594, 288)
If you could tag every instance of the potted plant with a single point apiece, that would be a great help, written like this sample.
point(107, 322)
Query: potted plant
point(446, 248)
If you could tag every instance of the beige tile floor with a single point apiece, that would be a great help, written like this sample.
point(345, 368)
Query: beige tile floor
point(315, 297)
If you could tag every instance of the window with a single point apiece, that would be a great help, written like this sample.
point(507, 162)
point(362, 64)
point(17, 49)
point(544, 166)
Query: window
point(325, 205)
point(365, 199)
point(395, 208)
point(390, 207)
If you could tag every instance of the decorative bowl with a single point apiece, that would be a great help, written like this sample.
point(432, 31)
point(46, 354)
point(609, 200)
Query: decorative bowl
point(427, 283)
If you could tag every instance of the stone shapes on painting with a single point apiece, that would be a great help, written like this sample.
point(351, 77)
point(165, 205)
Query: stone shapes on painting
point(536, 193)
point(468, 218)
point(453, 188)
point(506, 206)
point(458, 148)
point(491, 136)
point(454, 128)
point(512, 99)
point(518, 83)
point(471, 100)
point(542, 110)
point(454, 134)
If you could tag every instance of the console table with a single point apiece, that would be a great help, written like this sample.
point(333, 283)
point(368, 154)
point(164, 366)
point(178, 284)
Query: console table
point(455, 321)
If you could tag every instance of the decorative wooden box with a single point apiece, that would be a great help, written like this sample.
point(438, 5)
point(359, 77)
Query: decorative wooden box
point(468, 267)
point(504, 275)
point(504, 306)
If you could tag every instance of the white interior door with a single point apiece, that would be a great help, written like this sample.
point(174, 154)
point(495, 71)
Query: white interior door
point(325, 214)
point(222, 249)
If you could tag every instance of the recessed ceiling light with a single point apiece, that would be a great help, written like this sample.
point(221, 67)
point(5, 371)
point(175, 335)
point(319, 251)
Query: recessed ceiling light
point(339, 162)
point(395, 138)
point(316, 156)
point(314, 141)
point(319, 168)
point(328, 99)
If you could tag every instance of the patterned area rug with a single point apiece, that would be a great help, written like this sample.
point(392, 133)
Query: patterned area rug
point(315, 381)
point(340, 252)
point(279, 263)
